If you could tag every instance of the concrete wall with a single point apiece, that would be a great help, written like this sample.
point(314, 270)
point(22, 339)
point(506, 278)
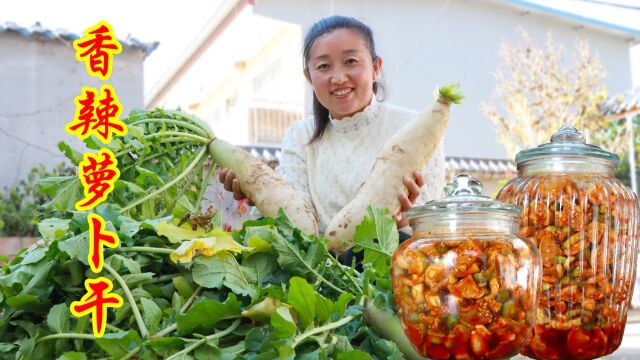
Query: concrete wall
point(424, 46)
point(253, 63)
point(39, 80)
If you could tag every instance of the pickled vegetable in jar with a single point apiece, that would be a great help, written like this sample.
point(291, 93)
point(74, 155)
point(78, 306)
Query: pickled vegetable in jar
point(585, 223)
point(466, 284)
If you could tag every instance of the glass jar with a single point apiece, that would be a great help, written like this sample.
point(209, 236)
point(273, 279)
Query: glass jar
point(585, 223)
point(465, 284)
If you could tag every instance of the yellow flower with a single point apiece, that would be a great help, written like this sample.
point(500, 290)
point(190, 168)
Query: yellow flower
point(175, 234)
point(208, 246)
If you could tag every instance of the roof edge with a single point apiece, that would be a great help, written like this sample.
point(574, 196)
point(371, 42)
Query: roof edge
point(621, 30)
point(38, 29)
point(623, 104)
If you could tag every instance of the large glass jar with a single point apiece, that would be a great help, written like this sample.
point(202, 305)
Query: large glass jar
point(465, 284)
point(585, 224)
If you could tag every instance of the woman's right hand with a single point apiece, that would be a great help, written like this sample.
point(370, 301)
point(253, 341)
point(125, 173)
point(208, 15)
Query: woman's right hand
point(228, 178)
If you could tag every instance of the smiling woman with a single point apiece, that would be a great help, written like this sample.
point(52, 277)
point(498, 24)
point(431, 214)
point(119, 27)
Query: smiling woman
point(328, 156)
point(342, 77)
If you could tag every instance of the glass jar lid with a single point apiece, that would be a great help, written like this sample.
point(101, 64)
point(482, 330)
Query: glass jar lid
point(463, 196)
point(567, 142)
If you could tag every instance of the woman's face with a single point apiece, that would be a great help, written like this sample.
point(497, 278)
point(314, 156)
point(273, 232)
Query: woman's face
point(342, 72)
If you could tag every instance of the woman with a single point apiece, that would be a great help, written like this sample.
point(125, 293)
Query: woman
point(327, 156)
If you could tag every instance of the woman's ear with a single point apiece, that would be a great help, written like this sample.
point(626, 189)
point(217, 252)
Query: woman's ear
point(306, 74)
point(377, 65)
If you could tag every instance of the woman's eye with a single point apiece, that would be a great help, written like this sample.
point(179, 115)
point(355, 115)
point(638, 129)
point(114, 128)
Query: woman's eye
point(322, 66)
point(352, 61)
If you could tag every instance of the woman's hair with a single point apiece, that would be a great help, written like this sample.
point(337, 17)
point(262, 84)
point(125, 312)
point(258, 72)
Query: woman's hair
point(322, 27)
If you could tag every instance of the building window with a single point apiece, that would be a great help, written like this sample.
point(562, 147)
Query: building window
point(268, 125)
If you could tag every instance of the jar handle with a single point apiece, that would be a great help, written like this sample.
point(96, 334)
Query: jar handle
point(463, 184)
point(567, 134)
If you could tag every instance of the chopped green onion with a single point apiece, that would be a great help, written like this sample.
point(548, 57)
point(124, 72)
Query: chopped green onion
point(508, 309)
point(576, 272)
point(559, 260)
point(479, 278)
point(503, 295)
point(413, 317)
point(451, 322)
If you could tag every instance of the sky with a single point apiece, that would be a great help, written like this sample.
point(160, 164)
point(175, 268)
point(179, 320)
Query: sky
point(622, 12)
point(176, 24)
point(625, 13)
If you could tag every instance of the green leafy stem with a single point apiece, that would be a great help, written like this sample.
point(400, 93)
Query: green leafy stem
point(177, 179)
point(206, 339)
point(154, 156)
point(180, 134)
point(136, 312)
point(330, 326)
point(66, 336)
point(196, 129)
point(169, 329)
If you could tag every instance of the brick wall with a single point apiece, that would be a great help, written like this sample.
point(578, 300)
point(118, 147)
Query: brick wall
point(10, 246)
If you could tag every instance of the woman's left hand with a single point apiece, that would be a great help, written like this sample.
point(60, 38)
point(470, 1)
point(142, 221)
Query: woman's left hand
point(407, 200)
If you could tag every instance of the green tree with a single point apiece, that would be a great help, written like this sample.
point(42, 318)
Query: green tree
point(20, 208)
point(617, 129)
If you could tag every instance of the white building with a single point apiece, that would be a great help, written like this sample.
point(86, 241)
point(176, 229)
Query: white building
point(244, 74)
point(39, 79)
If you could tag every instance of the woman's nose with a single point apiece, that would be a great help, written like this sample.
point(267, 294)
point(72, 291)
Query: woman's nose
point(339, 76)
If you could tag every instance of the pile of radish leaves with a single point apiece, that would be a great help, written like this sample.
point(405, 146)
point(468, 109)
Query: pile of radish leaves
point(263, 291)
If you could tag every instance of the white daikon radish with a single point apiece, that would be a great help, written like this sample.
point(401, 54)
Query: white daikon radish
point(405, 152)
point(263, 186)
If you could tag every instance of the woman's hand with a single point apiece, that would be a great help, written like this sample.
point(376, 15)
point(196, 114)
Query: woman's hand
point(407, 200)
point(228, 178)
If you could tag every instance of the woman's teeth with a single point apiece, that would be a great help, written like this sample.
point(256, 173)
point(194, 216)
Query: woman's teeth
point(342, 92)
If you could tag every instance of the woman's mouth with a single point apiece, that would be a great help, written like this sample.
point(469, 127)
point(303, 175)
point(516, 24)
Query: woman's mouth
point(341, 93)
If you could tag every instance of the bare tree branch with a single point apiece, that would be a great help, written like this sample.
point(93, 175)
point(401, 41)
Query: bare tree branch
point(538, 92)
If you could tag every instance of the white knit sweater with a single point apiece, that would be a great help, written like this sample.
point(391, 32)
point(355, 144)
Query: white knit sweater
point(328, 172)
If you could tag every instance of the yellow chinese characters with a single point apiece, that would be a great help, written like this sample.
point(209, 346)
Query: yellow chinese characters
point(97, 48)
point(98, 238)
point(98, 174)
point(97, 114)
point(95, 302)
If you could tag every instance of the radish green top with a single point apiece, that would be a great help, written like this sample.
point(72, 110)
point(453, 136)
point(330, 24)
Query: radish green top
point(451, 93)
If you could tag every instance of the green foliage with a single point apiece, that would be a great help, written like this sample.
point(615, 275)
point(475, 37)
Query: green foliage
point(618, 128)
point(623, 174)
point(198, 309)
point(316, 314)
point(451, 93)
point(616, 132)
point(20, 206)
point(378, 234)
point(162, 162)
